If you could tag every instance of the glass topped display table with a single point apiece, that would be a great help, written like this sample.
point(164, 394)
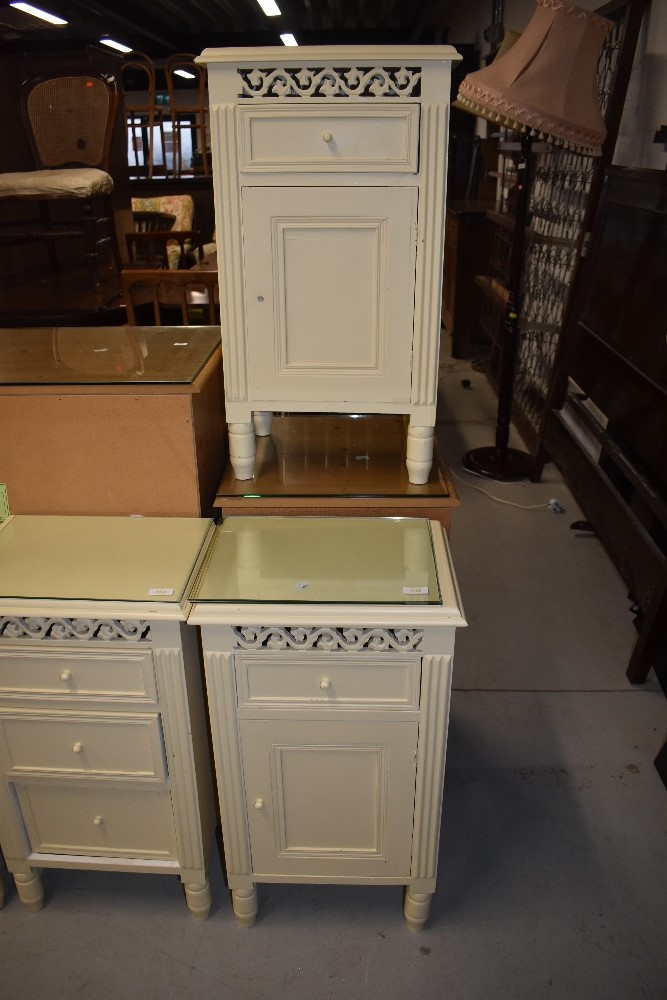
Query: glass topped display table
point(328, 647)
point(103, 749)
point(112, 420)
point(322, 464)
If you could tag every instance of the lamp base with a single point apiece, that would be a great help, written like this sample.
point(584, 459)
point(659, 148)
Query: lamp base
point(496, 463)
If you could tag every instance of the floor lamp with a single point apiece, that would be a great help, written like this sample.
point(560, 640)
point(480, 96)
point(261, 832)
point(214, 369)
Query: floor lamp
point(545, 87)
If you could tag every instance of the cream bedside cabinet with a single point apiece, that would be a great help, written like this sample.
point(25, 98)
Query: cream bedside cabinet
point(328, 646)
point(329, 171)
point(103, 751)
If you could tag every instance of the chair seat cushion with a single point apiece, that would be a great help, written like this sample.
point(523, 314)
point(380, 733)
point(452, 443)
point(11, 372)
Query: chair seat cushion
point(68, 182)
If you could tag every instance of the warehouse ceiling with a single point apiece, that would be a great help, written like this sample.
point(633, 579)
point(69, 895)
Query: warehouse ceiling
point(161, 27)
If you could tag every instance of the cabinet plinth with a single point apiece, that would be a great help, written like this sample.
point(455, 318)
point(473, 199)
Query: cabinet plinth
point(330, 201)
point(329, 718)
point(103, 747)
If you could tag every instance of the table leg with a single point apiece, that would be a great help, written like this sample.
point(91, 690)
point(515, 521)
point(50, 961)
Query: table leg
point(262, 420)
point(244, 904)
point(416, 908)
point(30, 890)
point(198, 898)
point(419, 456)
point(242, 450)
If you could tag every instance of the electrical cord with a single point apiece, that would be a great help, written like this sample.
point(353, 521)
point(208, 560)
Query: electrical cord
point(554, 505)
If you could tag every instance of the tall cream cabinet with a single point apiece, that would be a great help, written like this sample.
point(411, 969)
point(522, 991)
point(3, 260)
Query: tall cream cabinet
point(103, 749)
point(328, 647)
point(329, 168)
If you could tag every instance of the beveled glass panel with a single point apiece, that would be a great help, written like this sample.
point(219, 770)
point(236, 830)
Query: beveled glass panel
point(105, 355)
point(99, 558)
point(320, 560)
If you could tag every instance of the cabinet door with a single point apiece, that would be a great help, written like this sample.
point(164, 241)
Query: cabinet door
point(330, 799)
point(330, 277)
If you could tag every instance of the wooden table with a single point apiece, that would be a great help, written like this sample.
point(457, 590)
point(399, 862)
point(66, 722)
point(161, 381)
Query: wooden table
point(112, 420)
point(322, 464)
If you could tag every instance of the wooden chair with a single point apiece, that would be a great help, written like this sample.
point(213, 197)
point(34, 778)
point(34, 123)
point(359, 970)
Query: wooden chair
point(69, 121)
point(189, 113)
point(163, 294)
point(158, 242)
point(153, 222)
point(145, 118)
point(150, 252)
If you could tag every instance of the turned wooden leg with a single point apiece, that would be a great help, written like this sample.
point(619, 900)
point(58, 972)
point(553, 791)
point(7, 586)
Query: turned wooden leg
point(242, 450)
point(262, 420)
point(198, 898)
point(416, 909)
point(244, 904)
point(30, 891)
point(419, 456)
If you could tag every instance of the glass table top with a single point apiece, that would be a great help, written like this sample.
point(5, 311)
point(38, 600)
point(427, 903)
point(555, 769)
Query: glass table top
point(320, 560)
point(134, 559)
point(334, 455)
point(105, 355)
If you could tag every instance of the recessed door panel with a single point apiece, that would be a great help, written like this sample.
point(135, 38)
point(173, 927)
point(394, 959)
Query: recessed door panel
point(330, 292)
point(330, 799)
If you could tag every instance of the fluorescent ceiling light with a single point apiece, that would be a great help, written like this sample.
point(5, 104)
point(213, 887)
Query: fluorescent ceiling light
point(270, 7)
point(115, 45)
point(184, 73)
point(288, 40)
point(43, 15)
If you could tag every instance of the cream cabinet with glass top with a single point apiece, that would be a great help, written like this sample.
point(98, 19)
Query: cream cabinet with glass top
point(103, 749)
point(329, 168)
point(328, 647)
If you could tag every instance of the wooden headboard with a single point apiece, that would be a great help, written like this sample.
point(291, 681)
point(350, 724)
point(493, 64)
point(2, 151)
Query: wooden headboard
point(615, 356)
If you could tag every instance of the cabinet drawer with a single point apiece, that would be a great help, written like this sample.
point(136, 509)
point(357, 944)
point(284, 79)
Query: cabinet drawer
point(111, 822)
point(316, 138)
point(126, 747)
point(322, 681)
point(78, 675)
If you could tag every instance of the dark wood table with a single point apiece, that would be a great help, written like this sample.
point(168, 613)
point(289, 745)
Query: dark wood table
point(319, 464)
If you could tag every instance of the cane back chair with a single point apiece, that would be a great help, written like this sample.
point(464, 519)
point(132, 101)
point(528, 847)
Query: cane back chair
point(69, 121)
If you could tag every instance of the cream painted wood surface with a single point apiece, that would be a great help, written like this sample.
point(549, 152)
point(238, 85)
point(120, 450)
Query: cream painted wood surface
point(330, 203)
point(103, 746)
point(329, 721)
point(329, 799)
point(355, 253)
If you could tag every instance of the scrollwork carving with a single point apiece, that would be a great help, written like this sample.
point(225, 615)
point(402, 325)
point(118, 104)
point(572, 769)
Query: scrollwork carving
point(100, 629)
point(345, 639)
point(331, 81)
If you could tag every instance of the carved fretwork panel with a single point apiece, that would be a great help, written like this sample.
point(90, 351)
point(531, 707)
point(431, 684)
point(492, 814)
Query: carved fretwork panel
point(101, 629)
point(327, 638)
point(331, 81)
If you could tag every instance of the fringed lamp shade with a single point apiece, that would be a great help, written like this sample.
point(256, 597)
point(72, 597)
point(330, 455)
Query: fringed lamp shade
point(547, 82)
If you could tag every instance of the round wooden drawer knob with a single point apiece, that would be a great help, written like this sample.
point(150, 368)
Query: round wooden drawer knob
point(259, 803)
point(66, 676)
point(325, 684)
point(98, 821)
point(327, 137)
point(77, 748)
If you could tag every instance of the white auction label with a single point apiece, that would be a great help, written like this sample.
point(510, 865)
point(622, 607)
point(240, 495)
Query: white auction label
point(160, 591)
point(415, 590)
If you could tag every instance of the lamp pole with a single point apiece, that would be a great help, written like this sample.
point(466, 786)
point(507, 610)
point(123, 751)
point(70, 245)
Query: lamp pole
point(501, 461)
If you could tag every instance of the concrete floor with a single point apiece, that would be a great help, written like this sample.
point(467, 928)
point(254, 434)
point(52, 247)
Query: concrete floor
point(553, 874)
